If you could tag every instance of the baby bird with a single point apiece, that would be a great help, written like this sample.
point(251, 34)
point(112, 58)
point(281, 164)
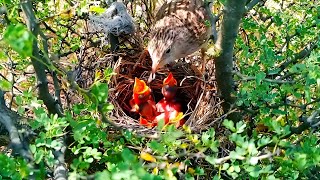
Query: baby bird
point(168, 107)
point(143, 103)
point(181, 28)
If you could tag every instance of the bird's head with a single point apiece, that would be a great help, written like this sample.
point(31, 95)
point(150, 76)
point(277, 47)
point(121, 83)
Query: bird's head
point(169, 88)
point(141, 92)
point(164, 48)
point(170, 80)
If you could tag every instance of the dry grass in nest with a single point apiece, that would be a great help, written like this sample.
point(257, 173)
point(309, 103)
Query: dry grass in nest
point(198, 97)
point(194, 94)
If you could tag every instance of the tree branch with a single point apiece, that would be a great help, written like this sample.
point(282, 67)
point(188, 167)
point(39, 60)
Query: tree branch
point(251, 4)
point(39, 63)
point(249, 78)
point(300, 55)
point(312, 121)
point(233, 12)
point(19, 145)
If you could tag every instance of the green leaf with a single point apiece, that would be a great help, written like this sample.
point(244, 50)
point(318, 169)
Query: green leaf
point(33, 148)
point(160, 124)
point(271, 177)
point(237, 168)
point(127, 156)
point(211, 160)
point(240, 126)
point(38, 156)
point(263, 141)
point(199, 171)
point(225, 166)
point(89, 160)
point(205, 138)
point(55, 144)
point(253, 160)
point(107, 107)
point(100, 91)
point(102, 175)
point(20, 39)
point(252, 150)
point(97, 9)
point(214, 146)
point(157, 147)
point(5, 85)
point(259, 77)
point(229, 124)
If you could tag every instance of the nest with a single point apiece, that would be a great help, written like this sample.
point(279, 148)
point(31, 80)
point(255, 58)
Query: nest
point(198, 97)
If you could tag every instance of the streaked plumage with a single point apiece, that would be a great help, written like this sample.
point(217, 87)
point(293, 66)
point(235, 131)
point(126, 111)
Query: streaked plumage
point(181, 28)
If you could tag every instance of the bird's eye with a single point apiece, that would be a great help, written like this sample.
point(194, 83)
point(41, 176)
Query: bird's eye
point(168, 50)
point(141, 96)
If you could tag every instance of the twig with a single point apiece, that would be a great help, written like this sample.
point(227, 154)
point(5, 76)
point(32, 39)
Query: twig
point(251, 4)
point(1, 75)
point(300, 55)
point(261, 157)
point(249, 78)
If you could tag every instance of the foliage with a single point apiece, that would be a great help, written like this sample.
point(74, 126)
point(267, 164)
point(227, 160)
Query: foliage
point(13, 168)
point(278, 92)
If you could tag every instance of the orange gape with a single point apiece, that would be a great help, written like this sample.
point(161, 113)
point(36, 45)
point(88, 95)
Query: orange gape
point(168, 107)
point(143, 103)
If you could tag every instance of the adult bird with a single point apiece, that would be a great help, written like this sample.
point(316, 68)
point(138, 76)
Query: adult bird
point(181, 28)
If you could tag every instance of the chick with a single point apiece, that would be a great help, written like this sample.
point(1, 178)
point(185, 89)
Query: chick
point(169, 108)
point(143, 103)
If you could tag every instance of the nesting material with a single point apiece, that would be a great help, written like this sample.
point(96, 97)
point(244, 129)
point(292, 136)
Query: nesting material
point(198, 98)
point(115, 20)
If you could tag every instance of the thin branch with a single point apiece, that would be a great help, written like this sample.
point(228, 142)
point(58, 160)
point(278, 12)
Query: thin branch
point(251, 4)
point(249, 78)
point(300, 55)
point(2, 76)
point(302, 106)
point(312, 121)
point(39, 66)
point(289, 37)
point(86, 93)
point(256, 158)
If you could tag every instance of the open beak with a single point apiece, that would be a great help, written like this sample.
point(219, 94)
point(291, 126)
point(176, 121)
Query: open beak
point(154, 69)
point(151, 77)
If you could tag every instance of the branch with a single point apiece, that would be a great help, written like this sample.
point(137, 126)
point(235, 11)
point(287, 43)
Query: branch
point(233, 12)
point(256, 158)
point(249, 78)
point(300, 55)
point(9, 119)
point(39, 63)
point(312, 121)
point(251, 4)
point(73, 85)
point(213, 20)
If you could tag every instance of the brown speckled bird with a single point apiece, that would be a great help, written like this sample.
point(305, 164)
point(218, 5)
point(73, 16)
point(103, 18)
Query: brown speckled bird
point(181, 28)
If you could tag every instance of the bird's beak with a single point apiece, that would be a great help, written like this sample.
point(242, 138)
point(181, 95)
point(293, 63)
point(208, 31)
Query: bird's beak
point(151, 77)
point(155, 66)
